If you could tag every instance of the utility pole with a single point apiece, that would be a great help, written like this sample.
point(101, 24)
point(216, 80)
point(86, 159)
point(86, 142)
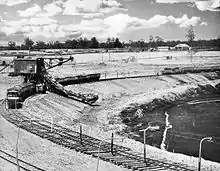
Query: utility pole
point(200, 150)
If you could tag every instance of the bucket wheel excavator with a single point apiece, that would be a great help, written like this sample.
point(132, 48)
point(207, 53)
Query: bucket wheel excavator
point(35, 70)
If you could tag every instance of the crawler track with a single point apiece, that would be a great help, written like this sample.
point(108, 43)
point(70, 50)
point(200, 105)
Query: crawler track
point(23, 165)
point(86, 144)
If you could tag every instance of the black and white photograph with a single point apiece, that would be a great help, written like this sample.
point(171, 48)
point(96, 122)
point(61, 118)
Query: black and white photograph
point(109, 85)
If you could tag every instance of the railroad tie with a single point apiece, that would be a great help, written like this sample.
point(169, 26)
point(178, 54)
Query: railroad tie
point(89, 145)
point(134, 165)
point(93, 151)
point(114, 159)
point(152, 168)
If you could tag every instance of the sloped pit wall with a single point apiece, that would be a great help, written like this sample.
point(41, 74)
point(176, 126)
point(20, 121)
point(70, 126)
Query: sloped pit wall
point(156, 113)
point(130, 114)
point(139, 116)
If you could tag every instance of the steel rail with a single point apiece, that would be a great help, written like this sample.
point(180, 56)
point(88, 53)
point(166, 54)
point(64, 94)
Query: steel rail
point(89, 145)
point(23, 164)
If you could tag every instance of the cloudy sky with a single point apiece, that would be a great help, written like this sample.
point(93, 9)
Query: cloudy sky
point(51, 20)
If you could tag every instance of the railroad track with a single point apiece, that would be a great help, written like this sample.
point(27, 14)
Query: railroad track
point(68, 138)
point(22, 164)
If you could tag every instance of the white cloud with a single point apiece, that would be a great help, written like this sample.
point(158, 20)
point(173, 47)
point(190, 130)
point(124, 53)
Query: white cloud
point(8, 30)
point(50, 9)
point(80, 7)
point(25, 25)
point(112, 26)
point(34, 27)
point(89, 6)
point(46, 31)
point(111, 3)
point(124, 21)
point(11, 27)
point(209, 5)
point(13, 2)
point(70, 7)
point(156, 21)
point(52, 32)
point(17, 23)
point(86, 27)
point(115, 25)
point(41, 21)
point(118, 23)
point(35, 9)
point(3, 2)
point(59, 2)
point(203, 5)
point(184, 21)
point(26, 29)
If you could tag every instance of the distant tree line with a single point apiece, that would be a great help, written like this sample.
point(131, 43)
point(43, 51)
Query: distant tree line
point(110, 43)
point(81, 43)
point(157, 41)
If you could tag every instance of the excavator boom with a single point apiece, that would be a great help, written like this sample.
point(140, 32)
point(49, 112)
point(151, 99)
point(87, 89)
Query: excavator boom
point(61, 62)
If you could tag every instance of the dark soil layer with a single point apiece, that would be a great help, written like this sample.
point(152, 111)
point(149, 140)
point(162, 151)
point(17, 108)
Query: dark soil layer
point(190, 123)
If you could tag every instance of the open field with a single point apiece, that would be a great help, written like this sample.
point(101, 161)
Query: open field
point(97, 57)
point(129, 64)
point(146, 63)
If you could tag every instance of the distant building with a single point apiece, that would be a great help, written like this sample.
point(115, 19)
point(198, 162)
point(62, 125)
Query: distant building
point(182, 47)
point(152, 49)
point(163, 48)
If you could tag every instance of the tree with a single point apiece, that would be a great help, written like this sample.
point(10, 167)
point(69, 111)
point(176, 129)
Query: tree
point(159, 41)
point(190, 35)
point(141, 43)
point(117, 43)
point(109, 43)
point(102, 45)
point(23, 47)
point(68, 44)
point(57, 45)
point(82, 43)
point(94, 43)
point(28, 43)
point(11, 45)
point(74, 43)
point(151, 40)
point(85, 43)
point(40, 45)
